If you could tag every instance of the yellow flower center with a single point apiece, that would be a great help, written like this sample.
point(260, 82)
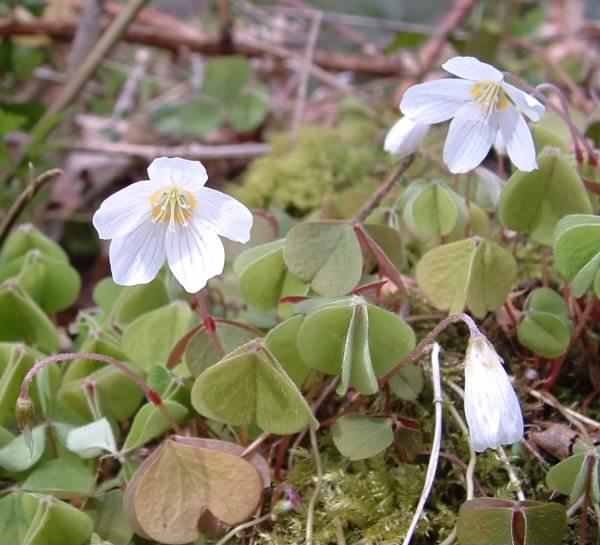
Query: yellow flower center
point(490, 96)
point(173, 205)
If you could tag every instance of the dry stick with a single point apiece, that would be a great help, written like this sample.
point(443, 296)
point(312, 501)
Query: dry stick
point(570, 414)
point(151, 395)
point(79, 78)
point(88, 31)
point(23, 199)
point(310, 513)
point(305, 71)
point(383, 190)
point(234, 531)
point(126, 100)
point(576, 134)
point(199, 152)
point(433, 48)
point(165, 38)
point(423, 346)
point(437, 442)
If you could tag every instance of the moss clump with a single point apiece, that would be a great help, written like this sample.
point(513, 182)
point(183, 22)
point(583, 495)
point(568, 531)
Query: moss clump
point(300, 175)
point(369, 502)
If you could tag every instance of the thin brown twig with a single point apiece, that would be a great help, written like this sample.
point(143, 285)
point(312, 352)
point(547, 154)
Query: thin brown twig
point(432, 49)
point(202, 152)
point(383, 190)
point(88, 32)
point(77, 81)
point(208, 44)
point(423, 346)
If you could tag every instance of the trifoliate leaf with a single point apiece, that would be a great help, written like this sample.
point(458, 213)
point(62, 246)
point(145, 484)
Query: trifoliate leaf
point(534, 202)
point(325, 254)
point(249, 387)
point(472, 273)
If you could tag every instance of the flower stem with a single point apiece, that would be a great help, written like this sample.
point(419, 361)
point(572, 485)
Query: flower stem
point(512, 476)
point(423, 346)
point(151, 395)
point(437, 442)
point(383, 190)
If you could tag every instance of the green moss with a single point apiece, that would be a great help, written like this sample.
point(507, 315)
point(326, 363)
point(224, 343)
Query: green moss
point(322, 163)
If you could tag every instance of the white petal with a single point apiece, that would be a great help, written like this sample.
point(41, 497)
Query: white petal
point(405, 137)
point(499, 144)
point(469, 139)
point(491, 406)
point(137, 257)
point(518, 139)
point(527, 104)
point(195, 254)
point(190, 175)
point(228, 216)
point(489, 187)
point(124, 210)
point(435, 101)
point(472, 68)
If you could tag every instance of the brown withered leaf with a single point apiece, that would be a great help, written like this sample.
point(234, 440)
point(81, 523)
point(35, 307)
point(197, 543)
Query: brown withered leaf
point(178, 483)
point(255, 458)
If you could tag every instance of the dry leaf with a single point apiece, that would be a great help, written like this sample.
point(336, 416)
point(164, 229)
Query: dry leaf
point(178, 483)
point(256, 459)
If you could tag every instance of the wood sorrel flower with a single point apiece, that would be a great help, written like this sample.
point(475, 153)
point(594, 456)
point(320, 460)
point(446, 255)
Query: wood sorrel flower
point(171, 217)
point(405, 137)
point(491, 405)
point(481, 105)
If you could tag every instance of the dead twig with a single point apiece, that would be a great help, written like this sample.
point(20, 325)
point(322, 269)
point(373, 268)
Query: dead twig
point(77, 81)
point(432, 49)
point(198, 152)
point(87, 33)
point(166, 38)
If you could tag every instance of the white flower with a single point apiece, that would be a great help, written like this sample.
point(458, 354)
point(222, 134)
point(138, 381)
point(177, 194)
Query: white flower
point(405, 137)
point(171, 217)
point(481, 105)
point(491, 405)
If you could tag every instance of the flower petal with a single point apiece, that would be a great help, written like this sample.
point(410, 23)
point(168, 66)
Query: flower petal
point(124, 210)
point(190, 175)
point(517, 136)
point(469, 139)
point(499, 144)
point(228, 216)
point(527, 104)
point(195, 254)
point(472, 68)
point(435, 101)
point(491, 406)
point(405, 137)
point(137, 257)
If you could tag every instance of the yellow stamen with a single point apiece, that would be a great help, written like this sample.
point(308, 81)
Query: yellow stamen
point(490, 96)
point(173, 205)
